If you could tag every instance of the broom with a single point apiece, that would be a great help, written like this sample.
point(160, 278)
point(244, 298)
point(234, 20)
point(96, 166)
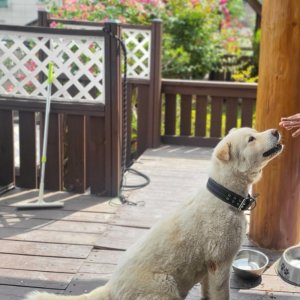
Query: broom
point(41, 203)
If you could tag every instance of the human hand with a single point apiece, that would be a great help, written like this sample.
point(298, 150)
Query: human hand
point(291, 122)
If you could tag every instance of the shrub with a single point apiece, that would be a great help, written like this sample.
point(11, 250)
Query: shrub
point(197, 33)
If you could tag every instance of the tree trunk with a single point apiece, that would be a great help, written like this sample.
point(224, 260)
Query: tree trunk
point(275, 222)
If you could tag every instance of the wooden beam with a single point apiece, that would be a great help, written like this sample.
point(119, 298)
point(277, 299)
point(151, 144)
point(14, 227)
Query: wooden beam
point(275, 222)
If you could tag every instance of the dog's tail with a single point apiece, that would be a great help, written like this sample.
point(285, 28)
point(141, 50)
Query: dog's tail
point(100, 293)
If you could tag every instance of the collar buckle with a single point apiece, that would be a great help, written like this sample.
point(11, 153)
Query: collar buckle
point(247, 203)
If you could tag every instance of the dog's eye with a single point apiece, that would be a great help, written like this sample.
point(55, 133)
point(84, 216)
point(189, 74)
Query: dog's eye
point(251, 139)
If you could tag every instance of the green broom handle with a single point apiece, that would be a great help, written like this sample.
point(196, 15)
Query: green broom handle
point(46, 126)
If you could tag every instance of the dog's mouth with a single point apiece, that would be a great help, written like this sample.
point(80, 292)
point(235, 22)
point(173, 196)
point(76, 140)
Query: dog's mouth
point(273, 151)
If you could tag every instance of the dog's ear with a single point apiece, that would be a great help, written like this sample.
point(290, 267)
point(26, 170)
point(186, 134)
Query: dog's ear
point(223, 152)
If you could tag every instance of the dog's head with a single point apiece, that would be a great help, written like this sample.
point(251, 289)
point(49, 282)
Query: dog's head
point(245, 151)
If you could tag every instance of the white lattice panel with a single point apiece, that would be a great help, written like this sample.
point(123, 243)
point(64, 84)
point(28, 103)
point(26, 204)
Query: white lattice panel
point(78, 66)
point(138, 44)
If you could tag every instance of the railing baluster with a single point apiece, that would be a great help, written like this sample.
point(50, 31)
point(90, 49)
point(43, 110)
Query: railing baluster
point(216, 116)
point(75, 140)
point(97, 155)
point(247, 112)
point(231, 113)
point(54, 165)
point(170, 114)
point(7, 168)
point(27, 135)
point(144, 114)
point(185, 114)
point(201, 116)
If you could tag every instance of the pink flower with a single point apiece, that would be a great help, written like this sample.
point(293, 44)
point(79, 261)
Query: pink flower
point(223, 2)
point(53, 24)
point(30, 65)
point(9, 88)
point(20, 76)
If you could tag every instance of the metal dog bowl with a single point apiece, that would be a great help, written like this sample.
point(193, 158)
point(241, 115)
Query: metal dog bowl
point(250, 264)
point(289, 265)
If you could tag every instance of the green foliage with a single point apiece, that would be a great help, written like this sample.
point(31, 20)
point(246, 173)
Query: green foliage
point(196, 33)
point(191, 41)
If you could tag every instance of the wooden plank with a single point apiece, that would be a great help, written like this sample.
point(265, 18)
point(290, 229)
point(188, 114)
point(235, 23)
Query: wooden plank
point(17, 234)
point(231, 113)
point(75, 154)
point(185, 115)
point(54, 166)
point(216, 116)
point(119, 238)
point(7, 174)
point(104, 256)
point(143, 119)
point(42, 224)
point(58, 107)
point(36, 279)
point(141, 216)
point(85, 282)
point(11, 292)
point(170, 114)
point(45, 249)
point(97, 155)
point(39, 263)
point(57, 214)
point(105, 269)
point(247, 112)
point(201, 116)
point(28, 164)
point(212, 88)
point(190, 141)
point(73, 202)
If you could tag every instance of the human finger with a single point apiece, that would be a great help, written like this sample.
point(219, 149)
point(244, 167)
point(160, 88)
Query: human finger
point(296, 133)
point(291, 123)
point(295, 116)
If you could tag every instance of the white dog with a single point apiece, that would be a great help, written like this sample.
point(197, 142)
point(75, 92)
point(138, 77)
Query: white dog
point(198, 242)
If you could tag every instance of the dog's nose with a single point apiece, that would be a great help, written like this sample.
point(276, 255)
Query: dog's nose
point(275, 133)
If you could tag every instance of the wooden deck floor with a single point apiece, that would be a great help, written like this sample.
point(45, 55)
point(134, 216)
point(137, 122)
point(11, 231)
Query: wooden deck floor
point(75, 249)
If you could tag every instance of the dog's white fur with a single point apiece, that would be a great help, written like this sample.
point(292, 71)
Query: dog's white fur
point(198, 242)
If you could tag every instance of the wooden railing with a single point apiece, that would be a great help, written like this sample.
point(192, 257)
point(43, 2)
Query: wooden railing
point(199, 113)
point(143, 43)
point(84, 146)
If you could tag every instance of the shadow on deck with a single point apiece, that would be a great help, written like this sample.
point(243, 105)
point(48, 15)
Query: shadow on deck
point(75, 249)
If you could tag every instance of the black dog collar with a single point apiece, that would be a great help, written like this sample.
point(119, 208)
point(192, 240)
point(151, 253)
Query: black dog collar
point(230, 197)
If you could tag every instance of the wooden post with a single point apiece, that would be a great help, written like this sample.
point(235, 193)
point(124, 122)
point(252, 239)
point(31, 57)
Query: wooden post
point(275, 222)
point(155, 83)
point(42, 18)
point(113, 109)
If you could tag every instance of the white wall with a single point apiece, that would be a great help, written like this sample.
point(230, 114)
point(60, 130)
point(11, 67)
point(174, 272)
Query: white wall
point(19, 12)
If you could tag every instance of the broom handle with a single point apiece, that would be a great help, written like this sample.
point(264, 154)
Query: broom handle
point(46, 127)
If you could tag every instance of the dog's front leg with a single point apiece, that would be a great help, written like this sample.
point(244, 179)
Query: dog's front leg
point(218, 282)
point(204, 288)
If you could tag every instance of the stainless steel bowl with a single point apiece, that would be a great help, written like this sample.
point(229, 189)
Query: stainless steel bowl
point(250, 264)
point(289, 265)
